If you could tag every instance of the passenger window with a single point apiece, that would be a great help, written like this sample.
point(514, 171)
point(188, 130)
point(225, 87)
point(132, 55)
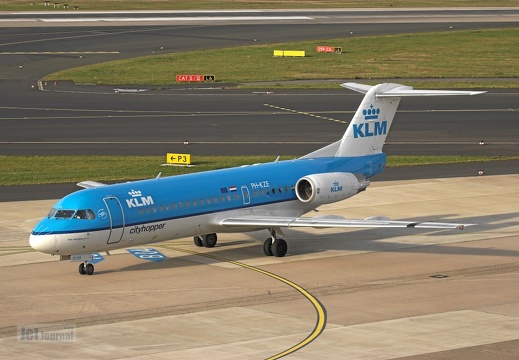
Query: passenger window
point(201, 202)
point(140, 211)
point(195, 203)
point(208, 201)
point(154, 209)
point(273, 191)
point(174, 206)
point(229, 198)
point(167, 207)
point(147, 210)
point(181, 204)
point(236, 196)
point(215, 199)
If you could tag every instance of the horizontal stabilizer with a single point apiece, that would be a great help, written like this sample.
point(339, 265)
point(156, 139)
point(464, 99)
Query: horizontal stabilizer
point(332, 222)
point(357, 87)
point(90, 184)
point(401, 93)
point(396, 90)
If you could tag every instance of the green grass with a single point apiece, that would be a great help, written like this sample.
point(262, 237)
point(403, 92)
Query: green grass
point(26, 170)
point(451, 54)
point(38, 5)
point(21, 170)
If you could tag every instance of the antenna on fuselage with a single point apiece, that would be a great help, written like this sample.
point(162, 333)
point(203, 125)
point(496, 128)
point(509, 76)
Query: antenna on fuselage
point(158, 176)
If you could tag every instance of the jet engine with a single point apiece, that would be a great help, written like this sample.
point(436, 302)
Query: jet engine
point(329, 187)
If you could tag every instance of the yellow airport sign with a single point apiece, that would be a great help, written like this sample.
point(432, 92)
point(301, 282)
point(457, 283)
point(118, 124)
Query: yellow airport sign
point(289, 53)
point(183, 159)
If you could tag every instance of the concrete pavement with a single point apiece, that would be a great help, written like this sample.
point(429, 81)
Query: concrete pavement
point(388, 293)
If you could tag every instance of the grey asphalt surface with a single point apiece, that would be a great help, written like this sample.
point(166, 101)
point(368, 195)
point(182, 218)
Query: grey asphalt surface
point(222, 122)
point(70, 119)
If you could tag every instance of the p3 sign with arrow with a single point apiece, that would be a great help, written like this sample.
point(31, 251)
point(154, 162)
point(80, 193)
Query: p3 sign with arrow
point(184, 159)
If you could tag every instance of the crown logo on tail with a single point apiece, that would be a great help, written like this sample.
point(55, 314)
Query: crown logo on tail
point(371, 113)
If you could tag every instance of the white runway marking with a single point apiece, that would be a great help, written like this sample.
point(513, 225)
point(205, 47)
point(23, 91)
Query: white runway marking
point(183, 19)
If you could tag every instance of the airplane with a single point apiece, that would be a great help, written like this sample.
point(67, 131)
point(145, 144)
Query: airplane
point(269, 196)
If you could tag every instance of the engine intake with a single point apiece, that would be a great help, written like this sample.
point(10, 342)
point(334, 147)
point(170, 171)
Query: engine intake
point(328, 188)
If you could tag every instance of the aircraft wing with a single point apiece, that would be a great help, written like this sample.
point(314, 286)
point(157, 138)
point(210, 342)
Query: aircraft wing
point(332, 221)
point(90, 184)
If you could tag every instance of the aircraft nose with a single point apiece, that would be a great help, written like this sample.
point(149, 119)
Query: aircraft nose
point(43, 243)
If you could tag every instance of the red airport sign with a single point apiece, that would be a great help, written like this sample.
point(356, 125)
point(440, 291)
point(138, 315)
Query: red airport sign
point(196, 78)
point(325, 49)
point(328, 49)
point(190, 78)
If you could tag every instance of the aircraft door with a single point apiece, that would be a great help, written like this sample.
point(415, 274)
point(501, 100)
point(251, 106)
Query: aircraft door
point(246, 195)
point(116, 215)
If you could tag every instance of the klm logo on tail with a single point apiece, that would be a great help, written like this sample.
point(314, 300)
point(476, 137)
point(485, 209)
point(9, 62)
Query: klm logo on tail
point(371, 127)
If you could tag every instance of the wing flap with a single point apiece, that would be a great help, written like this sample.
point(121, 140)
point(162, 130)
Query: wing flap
point(332, 222)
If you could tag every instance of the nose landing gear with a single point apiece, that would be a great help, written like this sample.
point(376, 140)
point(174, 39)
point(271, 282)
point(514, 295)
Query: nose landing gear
point(86, 268)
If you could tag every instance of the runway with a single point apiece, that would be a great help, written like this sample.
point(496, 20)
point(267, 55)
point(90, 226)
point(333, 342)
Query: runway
point(95, 120)
point(80, 121)
point(383, 294)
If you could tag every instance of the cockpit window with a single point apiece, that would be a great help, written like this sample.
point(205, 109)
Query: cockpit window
point(85, 214)
point(64, 214)
point(51, 212)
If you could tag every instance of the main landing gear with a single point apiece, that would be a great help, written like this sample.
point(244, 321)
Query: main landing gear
point(274, 246)
point(208, 240)
point(86, 268)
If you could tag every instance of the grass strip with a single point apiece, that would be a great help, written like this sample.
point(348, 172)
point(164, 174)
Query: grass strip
point(460, 55)
point(29, 170)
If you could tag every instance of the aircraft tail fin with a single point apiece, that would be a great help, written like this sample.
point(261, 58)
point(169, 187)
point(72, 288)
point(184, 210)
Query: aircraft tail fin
point(368, 129)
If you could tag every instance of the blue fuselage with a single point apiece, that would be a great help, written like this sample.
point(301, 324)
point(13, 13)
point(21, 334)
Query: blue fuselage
point(115, 216)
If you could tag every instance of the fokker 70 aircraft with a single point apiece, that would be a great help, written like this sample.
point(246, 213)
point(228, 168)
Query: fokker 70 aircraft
point(268, 196)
